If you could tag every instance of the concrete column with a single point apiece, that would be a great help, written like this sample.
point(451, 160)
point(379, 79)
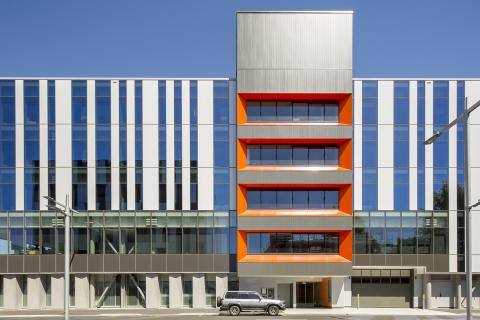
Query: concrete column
point(417, 289)
point(427, 291)
point(221, 284)
point(12, 293)
point(82, 291)
point(198, 291)
point(35, 293)
point(176, 291)
point(57, 291)
point(458, 292)
point(92, 290)
point(152, 291)
point(347, 294)
point(337, 287)
point(294, 295)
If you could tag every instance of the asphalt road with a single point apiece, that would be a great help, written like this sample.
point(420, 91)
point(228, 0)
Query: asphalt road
point(203, 316)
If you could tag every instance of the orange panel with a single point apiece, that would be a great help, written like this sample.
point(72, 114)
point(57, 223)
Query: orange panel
point(345, 110)
point(241, 244)
point(308, 213)
point(344, 99)
point(241, 110)
point(345, 246)
point(293, 258)
point(241, 154)
point(345, 155)
point(344, 201)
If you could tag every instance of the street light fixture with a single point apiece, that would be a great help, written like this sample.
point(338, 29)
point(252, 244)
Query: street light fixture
point(65, 209)
point(468, 207)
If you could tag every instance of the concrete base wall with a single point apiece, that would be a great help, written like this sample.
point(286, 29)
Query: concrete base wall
point(36, 297)
point(198, 291)
point(176, 291)
point(152, 291)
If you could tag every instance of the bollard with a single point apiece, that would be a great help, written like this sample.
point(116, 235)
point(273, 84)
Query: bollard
point(423, 300)
point(358, 301)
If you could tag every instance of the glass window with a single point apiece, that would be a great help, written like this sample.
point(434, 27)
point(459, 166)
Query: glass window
point(254, 155)
point(316, 156)
point(331, 112)
point(300, 243)
point(268, 154)
point(253, 111)
point(409, 240)
point(253, 243)
point(300, 112)
point(331, 199)
point(205, 240)
point(80, 241)
point(300, 155)
point(284, 111)
point(315, 112)
point(174, 242)
point(189, 240)
point(143, 240)
point(269, 111)
point(284, 199)
point(284, 155)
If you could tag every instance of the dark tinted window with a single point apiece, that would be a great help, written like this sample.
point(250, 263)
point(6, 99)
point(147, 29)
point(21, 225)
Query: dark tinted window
point(231, 295)
point(292, 111)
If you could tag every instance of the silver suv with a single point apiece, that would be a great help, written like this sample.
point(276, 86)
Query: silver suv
point(239, 301)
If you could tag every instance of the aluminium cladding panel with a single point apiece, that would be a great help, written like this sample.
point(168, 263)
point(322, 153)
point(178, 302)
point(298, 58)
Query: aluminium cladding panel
point(286, 131)
point(336, 177)
point(294, 52)
point(294, 223)
point(288, 269)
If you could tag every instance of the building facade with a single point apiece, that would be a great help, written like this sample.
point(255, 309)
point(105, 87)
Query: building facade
point(291, 179)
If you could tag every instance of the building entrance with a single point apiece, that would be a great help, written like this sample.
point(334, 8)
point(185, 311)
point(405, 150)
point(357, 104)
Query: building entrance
point(309, 295)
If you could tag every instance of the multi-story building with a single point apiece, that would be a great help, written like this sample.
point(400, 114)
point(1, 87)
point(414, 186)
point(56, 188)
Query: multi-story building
point(292, 179)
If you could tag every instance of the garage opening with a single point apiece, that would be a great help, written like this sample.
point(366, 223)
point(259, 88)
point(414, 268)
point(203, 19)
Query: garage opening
point(382, 289)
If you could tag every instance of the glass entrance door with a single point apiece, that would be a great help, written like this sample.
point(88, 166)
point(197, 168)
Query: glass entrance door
point(308, 294)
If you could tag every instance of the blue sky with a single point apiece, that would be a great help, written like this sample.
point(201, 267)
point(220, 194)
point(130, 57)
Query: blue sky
point(196, 38)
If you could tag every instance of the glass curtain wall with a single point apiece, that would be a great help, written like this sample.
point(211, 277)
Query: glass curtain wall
point(401, 145)
point(31, 113)
point(123, 143)
point(51, 139)
point(370, 145)
point(138, 145)
point(103, 144)
point(162, 147)
point(79, 144)
point(7, 145)
point(440, 147)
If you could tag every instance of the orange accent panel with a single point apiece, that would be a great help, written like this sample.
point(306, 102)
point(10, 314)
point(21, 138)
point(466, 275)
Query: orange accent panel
point(345, 152)
point(308, 213)
point(345, 246)
point(293, 168)
point(241, 154)
point(345, 110)
point(241, 245)
point(344, 201)
point(241, 110)
point(241, 199)
point(293, 258)
point(344, 100)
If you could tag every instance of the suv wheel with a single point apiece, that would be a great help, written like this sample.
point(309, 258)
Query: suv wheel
point(234, 310)
point(273, 310)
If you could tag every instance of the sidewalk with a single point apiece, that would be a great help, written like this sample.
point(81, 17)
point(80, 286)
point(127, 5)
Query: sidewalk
point(110, 313)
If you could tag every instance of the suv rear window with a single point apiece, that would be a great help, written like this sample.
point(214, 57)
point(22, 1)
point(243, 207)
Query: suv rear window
point(231, 295)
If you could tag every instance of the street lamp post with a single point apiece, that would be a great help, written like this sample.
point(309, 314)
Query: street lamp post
point(66, 211)
point(468, 225)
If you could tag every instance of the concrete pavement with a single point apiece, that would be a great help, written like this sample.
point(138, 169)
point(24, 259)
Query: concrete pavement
point(213, 314)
